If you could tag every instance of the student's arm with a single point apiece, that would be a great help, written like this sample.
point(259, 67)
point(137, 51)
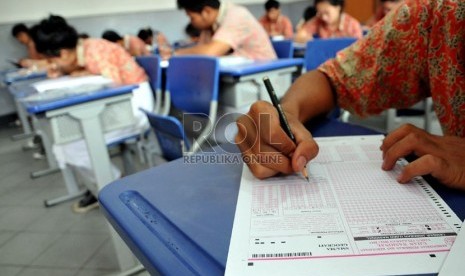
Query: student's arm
point(260, 132)
point(288, 31)
point(213, 48)
point(361, 83)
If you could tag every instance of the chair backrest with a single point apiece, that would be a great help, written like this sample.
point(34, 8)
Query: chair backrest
point(151, 65)
point(283, 48)
point(193, 82)
point(320, 50)
point(170, 135)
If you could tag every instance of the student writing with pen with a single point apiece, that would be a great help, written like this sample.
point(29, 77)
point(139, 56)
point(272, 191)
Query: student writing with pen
point(417, 51)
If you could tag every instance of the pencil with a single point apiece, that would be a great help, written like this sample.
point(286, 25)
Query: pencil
point(282, 117)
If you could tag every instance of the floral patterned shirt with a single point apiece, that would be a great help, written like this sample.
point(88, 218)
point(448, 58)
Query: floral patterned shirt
point(101, 57)
point(282, 26)
point(415, 52)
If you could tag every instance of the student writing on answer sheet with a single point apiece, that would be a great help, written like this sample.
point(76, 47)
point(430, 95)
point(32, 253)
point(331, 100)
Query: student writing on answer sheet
point(274, 23)
point(151, 38)
point(134, 45)
point(226, 29)
point(59, 41)
point(330, 21)
point(417, 51)
point(22, 34)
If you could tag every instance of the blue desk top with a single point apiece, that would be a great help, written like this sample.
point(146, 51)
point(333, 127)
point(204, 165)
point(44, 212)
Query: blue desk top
point(21, 75)
point(63, 98)
point(177, 218)
point(245, 69)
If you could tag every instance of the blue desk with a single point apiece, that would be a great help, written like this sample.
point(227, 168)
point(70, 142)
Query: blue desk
point(177, 218)
point(242, 84)
point(23, 74)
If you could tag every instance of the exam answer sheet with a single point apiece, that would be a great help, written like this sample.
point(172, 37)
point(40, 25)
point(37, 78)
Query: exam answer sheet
point(353, 218)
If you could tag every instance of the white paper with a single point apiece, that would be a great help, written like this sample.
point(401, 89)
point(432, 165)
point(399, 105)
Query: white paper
point(353, 218)
point(455, 262)
point(70, 82)
point(233, 60)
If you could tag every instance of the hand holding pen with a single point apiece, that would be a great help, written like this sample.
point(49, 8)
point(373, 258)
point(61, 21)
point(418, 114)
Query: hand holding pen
point(282, 117)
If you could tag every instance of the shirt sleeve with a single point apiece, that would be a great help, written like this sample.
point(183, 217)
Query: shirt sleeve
point(387, 68)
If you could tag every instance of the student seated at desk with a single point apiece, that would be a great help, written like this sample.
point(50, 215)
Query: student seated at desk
point(274, 23)
point(152, 39)
point(309, 13)
point(33, 60)
point(384, 8)
point(59, 42)
point(193, 37)
point(226, 29)
point(134, 45)
point(330, 21)
point(378, 72)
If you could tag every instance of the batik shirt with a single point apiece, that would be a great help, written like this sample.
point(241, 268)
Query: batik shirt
point(101, 57)
point(415, 52)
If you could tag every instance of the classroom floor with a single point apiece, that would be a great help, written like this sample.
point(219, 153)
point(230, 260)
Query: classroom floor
point(35, 240)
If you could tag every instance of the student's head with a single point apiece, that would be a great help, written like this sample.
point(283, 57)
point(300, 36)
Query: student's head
point(202, 13)
point(112, 36)
point(388, 5)
point(146, 35)
point(329, 11)
point(57, 40)
point(83, 35)
point(192, 32)
point(309, 13)
point(272, 10)
point(21, 33)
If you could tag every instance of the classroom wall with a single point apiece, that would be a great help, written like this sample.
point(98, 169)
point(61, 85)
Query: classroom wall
point(170, 21)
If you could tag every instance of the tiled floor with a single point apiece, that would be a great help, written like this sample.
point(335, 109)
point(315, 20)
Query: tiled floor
point(35, 240)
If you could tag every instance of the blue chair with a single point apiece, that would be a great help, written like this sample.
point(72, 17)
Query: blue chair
point(283, 48)
point(320, 50)
point(192, 87)
point(151, 66)
point(170, 135)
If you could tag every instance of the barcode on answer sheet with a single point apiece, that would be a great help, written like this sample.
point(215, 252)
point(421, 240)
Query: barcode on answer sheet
point(281, 255)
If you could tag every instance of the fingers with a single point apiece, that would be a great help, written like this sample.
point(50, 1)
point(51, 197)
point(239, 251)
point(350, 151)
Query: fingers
point(307, 148)
point(427, 164)
point(405, 140)
point(261, 139)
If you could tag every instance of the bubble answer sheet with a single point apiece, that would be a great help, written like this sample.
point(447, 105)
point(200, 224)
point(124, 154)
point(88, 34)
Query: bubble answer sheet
point(353, 218)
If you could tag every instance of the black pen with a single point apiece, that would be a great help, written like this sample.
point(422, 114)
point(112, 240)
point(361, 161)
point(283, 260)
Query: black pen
point(282, 117)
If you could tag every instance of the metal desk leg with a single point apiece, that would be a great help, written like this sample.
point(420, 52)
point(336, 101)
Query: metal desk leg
point(27, 131)
point(71, 186)
point(47, 143)
point(98, 153)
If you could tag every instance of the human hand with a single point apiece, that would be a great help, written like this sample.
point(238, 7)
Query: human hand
point(441, 156)
point(261, 138)
point(165, 51)
point(53, 71)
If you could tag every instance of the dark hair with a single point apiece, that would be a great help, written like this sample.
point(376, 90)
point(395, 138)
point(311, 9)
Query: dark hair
point(271, 4)
point(198, 5)
point(144, 34)
point(111, 35)
point(192, 31)
point(52, 35)
point(339, 3)
point(309, 13)
point(83, 35)
point(19, 28)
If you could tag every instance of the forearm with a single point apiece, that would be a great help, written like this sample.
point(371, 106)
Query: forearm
point(210, 49)
point(310, 95)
